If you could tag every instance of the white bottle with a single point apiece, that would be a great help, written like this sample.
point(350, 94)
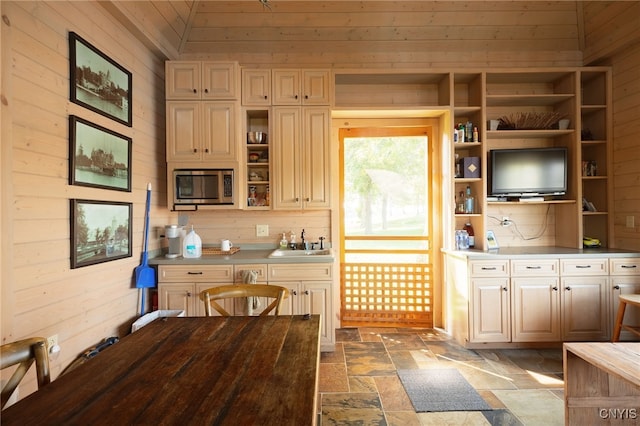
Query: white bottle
point(192, 247)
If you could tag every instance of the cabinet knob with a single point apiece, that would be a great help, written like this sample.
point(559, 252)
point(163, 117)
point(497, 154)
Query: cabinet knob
point(306, 96)
point(297, 199)
point(505, 289)
point(555, 288)
point(206, 90)
point(616, 287)
point(265, 97)
point(295, 293)
point(206, 150)
point(195, 149)
point(195, 91)
point(307, 199)
point(295, 97)
point(188, 294)
point(306, 292)
point(567, 288)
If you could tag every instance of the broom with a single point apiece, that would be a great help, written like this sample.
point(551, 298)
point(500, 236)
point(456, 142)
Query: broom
point(145, 275)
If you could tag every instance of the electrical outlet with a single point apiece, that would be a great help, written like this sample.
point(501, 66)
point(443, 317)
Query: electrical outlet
point(262, 230)
point(52, 341)
point(631, 222)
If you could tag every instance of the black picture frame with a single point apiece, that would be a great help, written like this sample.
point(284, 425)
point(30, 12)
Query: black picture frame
point(97, 82)
point(100, 231)
point(98, 157)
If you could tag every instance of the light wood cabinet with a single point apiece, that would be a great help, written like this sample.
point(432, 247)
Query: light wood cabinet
point(201, 131)
point(535, 299)
point(256, 87)
point(310, 292)
point(624, 279)
point(191, 80)
point(179, 286)
point(257, 160)
point(301, 158)
point(301, 87)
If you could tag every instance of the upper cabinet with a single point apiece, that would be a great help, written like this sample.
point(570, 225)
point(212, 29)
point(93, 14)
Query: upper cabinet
point(191, 80)
point(301, 87)
point(301, 158)
point(256, 87)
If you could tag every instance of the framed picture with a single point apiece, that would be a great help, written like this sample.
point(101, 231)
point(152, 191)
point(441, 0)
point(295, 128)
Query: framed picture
point(100, 231)
point(492, 242)
point(98, 157)
point(97, 82)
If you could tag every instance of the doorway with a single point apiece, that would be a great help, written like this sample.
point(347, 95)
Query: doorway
point(386, 225)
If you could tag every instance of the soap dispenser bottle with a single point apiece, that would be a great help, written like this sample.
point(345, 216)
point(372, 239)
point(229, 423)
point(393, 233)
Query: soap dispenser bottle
point(292, 242)
point(283, 241)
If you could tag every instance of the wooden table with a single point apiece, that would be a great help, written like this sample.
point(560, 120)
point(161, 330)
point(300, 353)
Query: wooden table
point(602, 383)
point(198, 370)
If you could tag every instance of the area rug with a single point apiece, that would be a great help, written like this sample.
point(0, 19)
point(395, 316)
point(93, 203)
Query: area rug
point(445, 389)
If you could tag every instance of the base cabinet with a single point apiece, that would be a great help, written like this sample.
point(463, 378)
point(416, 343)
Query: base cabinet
point(513, 301)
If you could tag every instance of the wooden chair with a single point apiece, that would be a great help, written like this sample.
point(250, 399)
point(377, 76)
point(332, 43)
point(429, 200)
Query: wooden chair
point(625, 299)
point(210, 295)
point(24, 353)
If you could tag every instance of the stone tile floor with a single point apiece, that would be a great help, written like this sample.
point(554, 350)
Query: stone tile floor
point(359, 384)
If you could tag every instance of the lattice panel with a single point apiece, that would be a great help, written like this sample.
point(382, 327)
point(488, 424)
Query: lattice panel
point(393, 294)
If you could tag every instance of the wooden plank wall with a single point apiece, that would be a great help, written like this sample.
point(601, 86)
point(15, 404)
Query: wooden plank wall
point(41, 295)
point(612, 37)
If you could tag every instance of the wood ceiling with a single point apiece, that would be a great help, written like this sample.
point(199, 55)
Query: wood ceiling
point(361, 33)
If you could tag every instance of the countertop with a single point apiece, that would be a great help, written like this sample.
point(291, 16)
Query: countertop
point(542, 252)
point(244, 256)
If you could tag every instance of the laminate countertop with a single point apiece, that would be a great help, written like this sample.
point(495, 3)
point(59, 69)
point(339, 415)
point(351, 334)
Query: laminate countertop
point(241, 257)
point(542, 252)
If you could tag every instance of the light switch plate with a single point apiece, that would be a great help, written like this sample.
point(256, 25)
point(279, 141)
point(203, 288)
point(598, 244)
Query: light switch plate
point(262, 230)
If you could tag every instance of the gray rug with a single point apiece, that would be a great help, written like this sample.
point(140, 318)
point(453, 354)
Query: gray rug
point(440, 390)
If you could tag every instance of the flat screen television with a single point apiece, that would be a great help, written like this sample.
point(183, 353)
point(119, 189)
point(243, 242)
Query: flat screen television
point(528, 172)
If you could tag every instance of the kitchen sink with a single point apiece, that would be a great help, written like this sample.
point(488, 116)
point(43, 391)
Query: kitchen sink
point(300, 253)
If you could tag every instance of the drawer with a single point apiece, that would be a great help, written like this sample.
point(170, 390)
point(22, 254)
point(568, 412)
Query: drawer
point(489, 268)
point(261, 269)
point(629, 266)
point(195, 273)
point(534, 267)
point(584, 266)
point(301, 272)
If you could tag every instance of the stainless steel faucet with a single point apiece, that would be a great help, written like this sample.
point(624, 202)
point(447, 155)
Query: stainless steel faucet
point(302, 240)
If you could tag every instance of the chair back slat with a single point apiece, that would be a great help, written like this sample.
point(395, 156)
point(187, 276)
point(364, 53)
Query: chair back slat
point(211, 295)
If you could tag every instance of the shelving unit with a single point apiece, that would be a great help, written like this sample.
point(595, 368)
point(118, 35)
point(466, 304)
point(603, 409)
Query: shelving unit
point(595, 157)
point(257, 160)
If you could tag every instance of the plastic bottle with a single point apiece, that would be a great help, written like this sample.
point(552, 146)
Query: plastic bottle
point(468, 131)
point(475, 134)
point(283, 241)
point(292, 242)
point(472, 238)
point(192, 245)
point(460, 132)
point(469, 202)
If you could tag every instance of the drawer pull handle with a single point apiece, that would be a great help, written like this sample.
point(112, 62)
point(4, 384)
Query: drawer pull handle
point(534, 267)
point(486, 268)
point(583, 266)
point(194, 273)
point(628, 266)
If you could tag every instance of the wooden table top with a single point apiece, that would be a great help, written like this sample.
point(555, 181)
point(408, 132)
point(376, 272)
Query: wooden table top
point(621, 359)
point(196, 370)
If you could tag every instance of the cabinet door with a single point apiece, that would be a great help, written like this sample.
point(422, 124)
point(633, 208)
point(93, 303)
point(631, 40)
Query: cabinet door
point(290, 305)
point(219, 80)
point(286, 193)
point(177, 296)
point(535, 305)
point(585, 308)
point(315, 87)
point(182, 80)
point(316, 299)
point(256, 87)
point(625, 285)
point(286, 87)
point(490, 314)
point(219, 131)
point(316, 165)
point(183, 131)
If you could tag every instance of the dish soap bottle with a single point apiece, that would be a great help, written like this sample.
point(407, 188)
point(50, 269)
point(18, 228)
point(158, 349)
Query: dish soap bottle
point(192, 245)
point(292, 242)
point(283, 241)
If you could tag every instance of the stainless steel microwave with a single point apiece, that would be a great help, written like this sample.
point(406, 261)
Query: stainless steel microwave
point(203, 186)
